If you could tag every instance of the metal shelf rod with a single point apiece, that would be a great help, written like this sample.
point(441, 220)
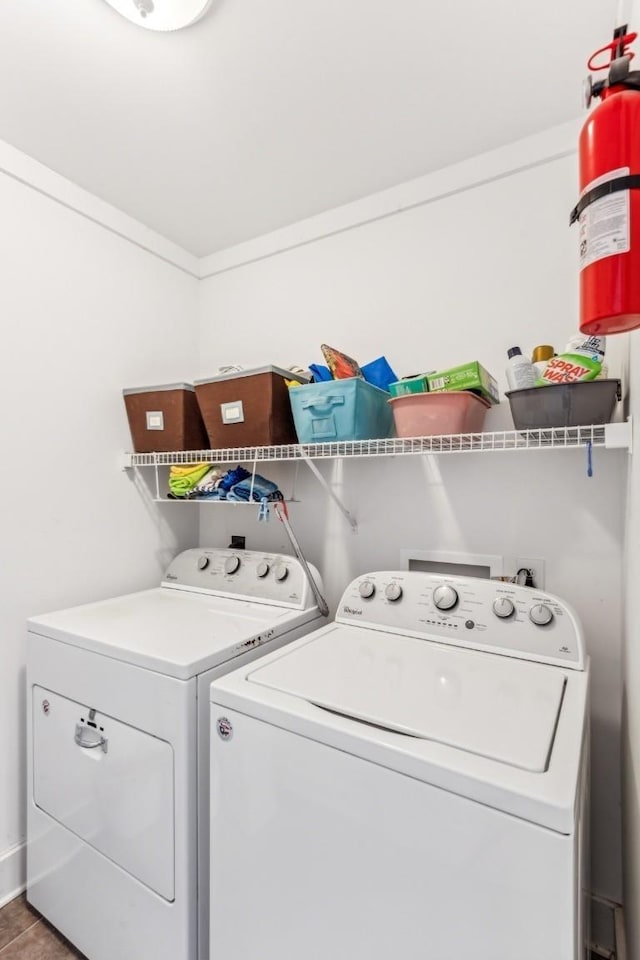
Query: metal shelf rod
point(612, 436)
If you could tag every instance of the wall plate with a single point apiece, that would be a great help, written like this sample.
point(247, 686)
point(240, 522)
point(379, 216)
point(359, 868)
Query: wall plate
point(484, 565)
point(461, 564)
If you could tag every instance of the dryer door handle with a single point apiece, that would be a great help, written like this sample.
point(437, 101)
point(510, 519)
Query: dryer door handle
point(89, 738)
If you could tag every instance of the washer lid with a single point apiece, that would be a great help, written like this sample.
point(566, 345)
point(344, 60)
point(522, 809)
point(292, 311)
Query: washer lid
point(174, 632)
point(501, 709)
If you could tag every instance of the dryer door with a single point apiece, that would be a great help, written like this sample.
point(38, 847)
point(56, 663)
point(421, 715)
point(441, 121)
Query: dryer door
point(107, 782)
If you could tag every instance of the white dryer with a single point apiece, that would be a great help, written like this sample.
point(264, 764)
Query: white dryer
point(118, 744)
point(409, 781)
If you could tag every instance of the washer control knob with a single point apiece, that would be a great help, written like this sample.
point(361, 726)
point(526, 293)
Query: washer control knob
point(540, 614)
point(393, 592)
point(367, 589)
point(503, 607)
point(281, 572)
point(445, 597)
point(203, 562)
point(262, 569)
point(232, 564)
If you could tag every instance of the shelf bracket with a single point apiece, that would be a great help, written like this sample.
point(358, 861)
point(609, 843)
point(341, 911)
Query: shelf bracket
point(331, 492)
point(619, 436)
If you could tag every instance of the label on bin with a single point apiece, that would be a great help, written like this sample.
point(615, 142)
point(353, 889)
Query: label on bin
point(232, 412)
point(155, 420)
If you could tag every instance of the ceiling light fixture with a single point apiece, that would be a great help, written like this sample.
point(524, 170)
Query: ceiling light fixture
point(162, 15)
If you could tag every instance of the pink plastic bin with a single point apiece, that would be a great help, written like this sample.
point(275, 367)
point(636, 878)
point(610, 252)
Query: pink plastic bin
point(434, 414)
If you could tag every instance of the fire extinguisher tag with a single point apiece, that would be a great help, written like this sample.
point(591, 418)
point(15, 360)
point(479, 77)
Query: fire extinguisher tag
point(604, 224)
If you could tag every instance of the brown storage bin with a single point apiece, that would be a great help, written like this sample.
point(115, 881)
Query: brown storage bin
point(165, 418)
point(249, 408)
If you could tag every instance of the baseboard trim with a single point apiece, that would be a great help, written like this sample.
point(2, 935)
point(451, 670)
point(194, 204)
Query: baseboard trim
point(617, 948)
point(621, 939)
point(13, 872)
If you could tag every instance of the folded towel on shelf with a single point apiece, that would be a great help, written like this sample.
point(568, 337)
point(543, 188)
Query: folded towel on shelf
point(183, 479)
point(260, 489)
point(209, 482)
point(202, 481)
point(232, 477)
point(187, 469)
point(214, 494)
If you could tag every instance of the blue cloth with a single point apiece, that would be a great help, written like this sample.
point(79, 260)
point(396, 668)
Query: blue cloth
point(319, 372)
point(232, 477)
point(262, 489)
point(236, 485)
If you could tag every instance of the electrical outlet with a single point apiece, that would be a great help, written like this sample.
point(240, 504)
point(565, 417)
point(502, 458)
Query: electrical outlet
point(536, 565)
point(237, 543)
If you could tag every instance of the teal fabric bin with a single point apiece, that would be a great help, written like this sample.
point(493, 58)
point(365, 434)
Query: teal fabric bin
point(341, 410)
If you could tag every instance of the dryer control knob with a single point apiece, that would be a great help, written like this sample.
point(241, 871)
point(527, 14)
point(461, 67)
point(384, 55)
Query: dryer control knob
point(445, 597)
point(262, 569)
point(540, 614)
point(393, 592)
point(281, 572)
point(503, 607)
point(367, 589)
point(232, 564)
point(203, 562)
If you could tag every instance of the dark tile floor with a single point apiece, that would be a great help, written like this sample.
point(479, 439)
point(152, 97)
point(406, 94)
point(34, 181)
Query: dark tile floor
point(24, 935)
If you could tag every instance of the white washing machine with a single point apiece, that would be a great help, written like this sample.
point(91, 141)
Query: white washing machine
point(118, 742)
point(409, 781)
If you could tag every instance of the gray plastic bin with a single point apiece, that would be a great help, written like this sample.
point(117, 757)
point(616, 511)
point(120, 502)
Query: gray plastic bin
point(564, 404)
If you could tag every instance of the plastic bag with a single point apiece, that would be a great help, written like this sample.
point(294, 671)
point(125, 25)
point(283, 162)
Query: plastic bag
point(342, 367)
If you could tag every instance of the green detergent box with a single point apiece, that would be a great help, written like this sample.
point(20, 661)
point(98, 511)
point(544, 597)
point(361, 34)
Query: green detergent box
point(410, 385)
point(470, 376)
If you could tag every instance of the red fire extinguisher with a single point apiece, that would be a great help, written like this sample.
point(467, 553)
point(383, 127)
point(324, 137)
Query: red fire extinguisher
point(608, 211)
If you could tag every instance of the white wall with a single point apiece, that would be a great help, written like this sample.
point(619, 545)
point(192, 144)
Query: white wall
point(84, 312)
point(631, 681)
point(629, 11)
point(480, 258)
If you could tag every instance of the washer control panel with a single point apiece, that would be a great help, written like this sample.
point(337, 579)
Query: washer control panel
point(242, 575)
point(487, 615)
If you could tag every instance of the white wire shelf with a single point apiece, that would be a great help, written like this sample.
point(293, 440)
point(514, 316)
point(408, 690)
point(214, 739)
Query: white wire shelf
point(212, 501)
point(611, 436)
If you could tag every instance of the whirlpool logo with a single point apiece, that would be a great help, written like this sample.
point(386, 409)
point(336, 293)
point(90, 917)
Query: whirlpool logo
point(352, 610)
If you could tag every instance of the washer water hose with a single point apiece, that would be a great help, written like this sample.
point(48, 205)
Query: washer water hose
point(323, 606)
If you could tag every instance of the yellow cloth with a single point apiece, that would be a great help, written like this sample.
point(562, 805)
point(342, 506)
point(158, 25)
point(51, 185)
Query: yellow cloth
point(182, 479)
point(186, 469)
